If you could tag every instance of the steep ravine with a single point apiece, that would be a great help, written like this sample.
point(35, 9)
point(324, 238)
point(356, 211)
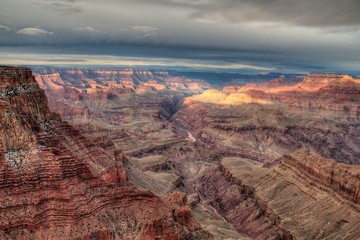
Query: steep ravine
point(297, 198)
point(239, 204)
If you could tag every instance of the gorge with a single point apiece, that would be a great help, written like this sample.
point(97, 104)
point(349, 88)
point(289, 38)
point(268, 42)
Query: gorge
point(115, 153)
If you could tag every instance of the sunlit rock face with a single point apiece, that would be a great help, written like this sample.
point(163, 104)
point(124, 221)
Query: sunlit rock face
point(268, 120)
point(57, 184)
point(223, 98)
point(338, 92)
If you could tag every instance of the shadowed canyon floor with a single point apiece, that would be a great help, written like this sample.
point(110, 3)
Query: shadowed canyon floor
point(272, 160)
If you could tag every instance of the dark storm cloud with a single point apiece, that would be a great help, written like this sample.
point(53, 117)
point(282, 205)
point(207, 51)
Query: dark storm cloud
point(313, 13)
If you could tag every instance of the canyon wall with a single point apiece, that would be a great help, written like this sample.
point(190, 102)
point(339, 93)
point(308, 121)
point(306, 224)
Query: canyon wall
point(213, 145)
point(265, 121)
point(299, 197)
point(341, 178)
point(57, 184)
point(338, 92)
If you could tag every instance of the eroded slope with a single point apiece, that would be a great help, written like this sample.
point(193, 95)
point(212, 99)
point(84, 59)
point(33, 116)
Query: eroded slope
point(287, 200)
point(263, 122)
point(57, 184)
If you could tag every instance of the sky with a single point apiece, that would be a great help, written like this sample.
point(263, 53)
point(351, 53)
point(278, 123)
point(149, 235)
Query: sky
point(290, 36)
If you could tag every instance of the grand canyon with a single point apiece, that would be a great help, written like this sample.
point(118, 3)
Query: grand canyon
point(179, 120)
point(126, 153)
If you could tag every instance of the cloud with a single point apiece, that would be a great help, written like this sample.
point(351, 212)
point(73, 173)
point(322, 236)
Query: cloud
point(288, 34)
point(309, 13)
point(6, 28)
point(337, 30)
point(144, 28)
point(59, 59)
point(142, 31)
point(188, 2)
point(88, 29)
point(61, 6)
point(34, 32)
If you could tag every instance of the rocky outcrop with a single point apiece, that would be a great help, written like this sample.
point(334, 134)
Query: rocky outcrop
point(56, 184)
point(68, 103)
point(99, 80)
point(239, 204)
point(320, 113)
point(343, 179)
point(20, 111)
point(303, 189)
point(270, 131)
point(337, 92)
point(108, 93)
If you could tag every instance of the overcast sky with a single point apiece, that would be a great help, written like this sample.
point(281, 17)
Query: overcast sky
point(259, 35)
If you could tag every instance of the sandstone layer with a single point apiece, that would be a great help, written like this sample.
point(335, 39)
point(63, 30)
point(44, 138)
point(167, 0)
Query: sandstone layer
point(139, 123)
point(57, 184)
point(338, 92)
point(300, 197)
point(265, 121)
point(171, 141)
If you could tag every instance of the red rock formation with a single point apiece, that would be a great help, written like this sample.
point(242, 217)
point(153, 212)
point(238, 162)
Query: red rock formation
point(71, 92)
point(341, 178)
point(261, 122)
point(275, 83)
point(320, 113)
point(338, 92)
point(240, 205)
point(303, 189)
point(56, 184)
point(110, 80)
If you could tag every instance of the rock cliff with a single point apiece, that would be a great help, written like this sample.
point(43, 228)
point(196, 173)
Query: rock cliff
point(213, 145)
point(56, 184)
point(303, 196)
point(338, 92)
point(343, 179)
point(321, 113)
point(98, 80)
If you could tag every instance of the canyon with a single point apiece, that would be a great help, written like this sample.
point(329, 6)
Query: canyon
point(57, 184)
point(265, 121)
point(120, 153)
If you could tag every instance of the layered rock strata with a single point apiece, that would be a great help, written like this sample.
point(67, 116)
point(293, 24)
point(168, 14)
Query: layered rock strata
point(264, 121)
point(56, 184)
point(300, 197)
point(171, 146)
point(337, 92)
